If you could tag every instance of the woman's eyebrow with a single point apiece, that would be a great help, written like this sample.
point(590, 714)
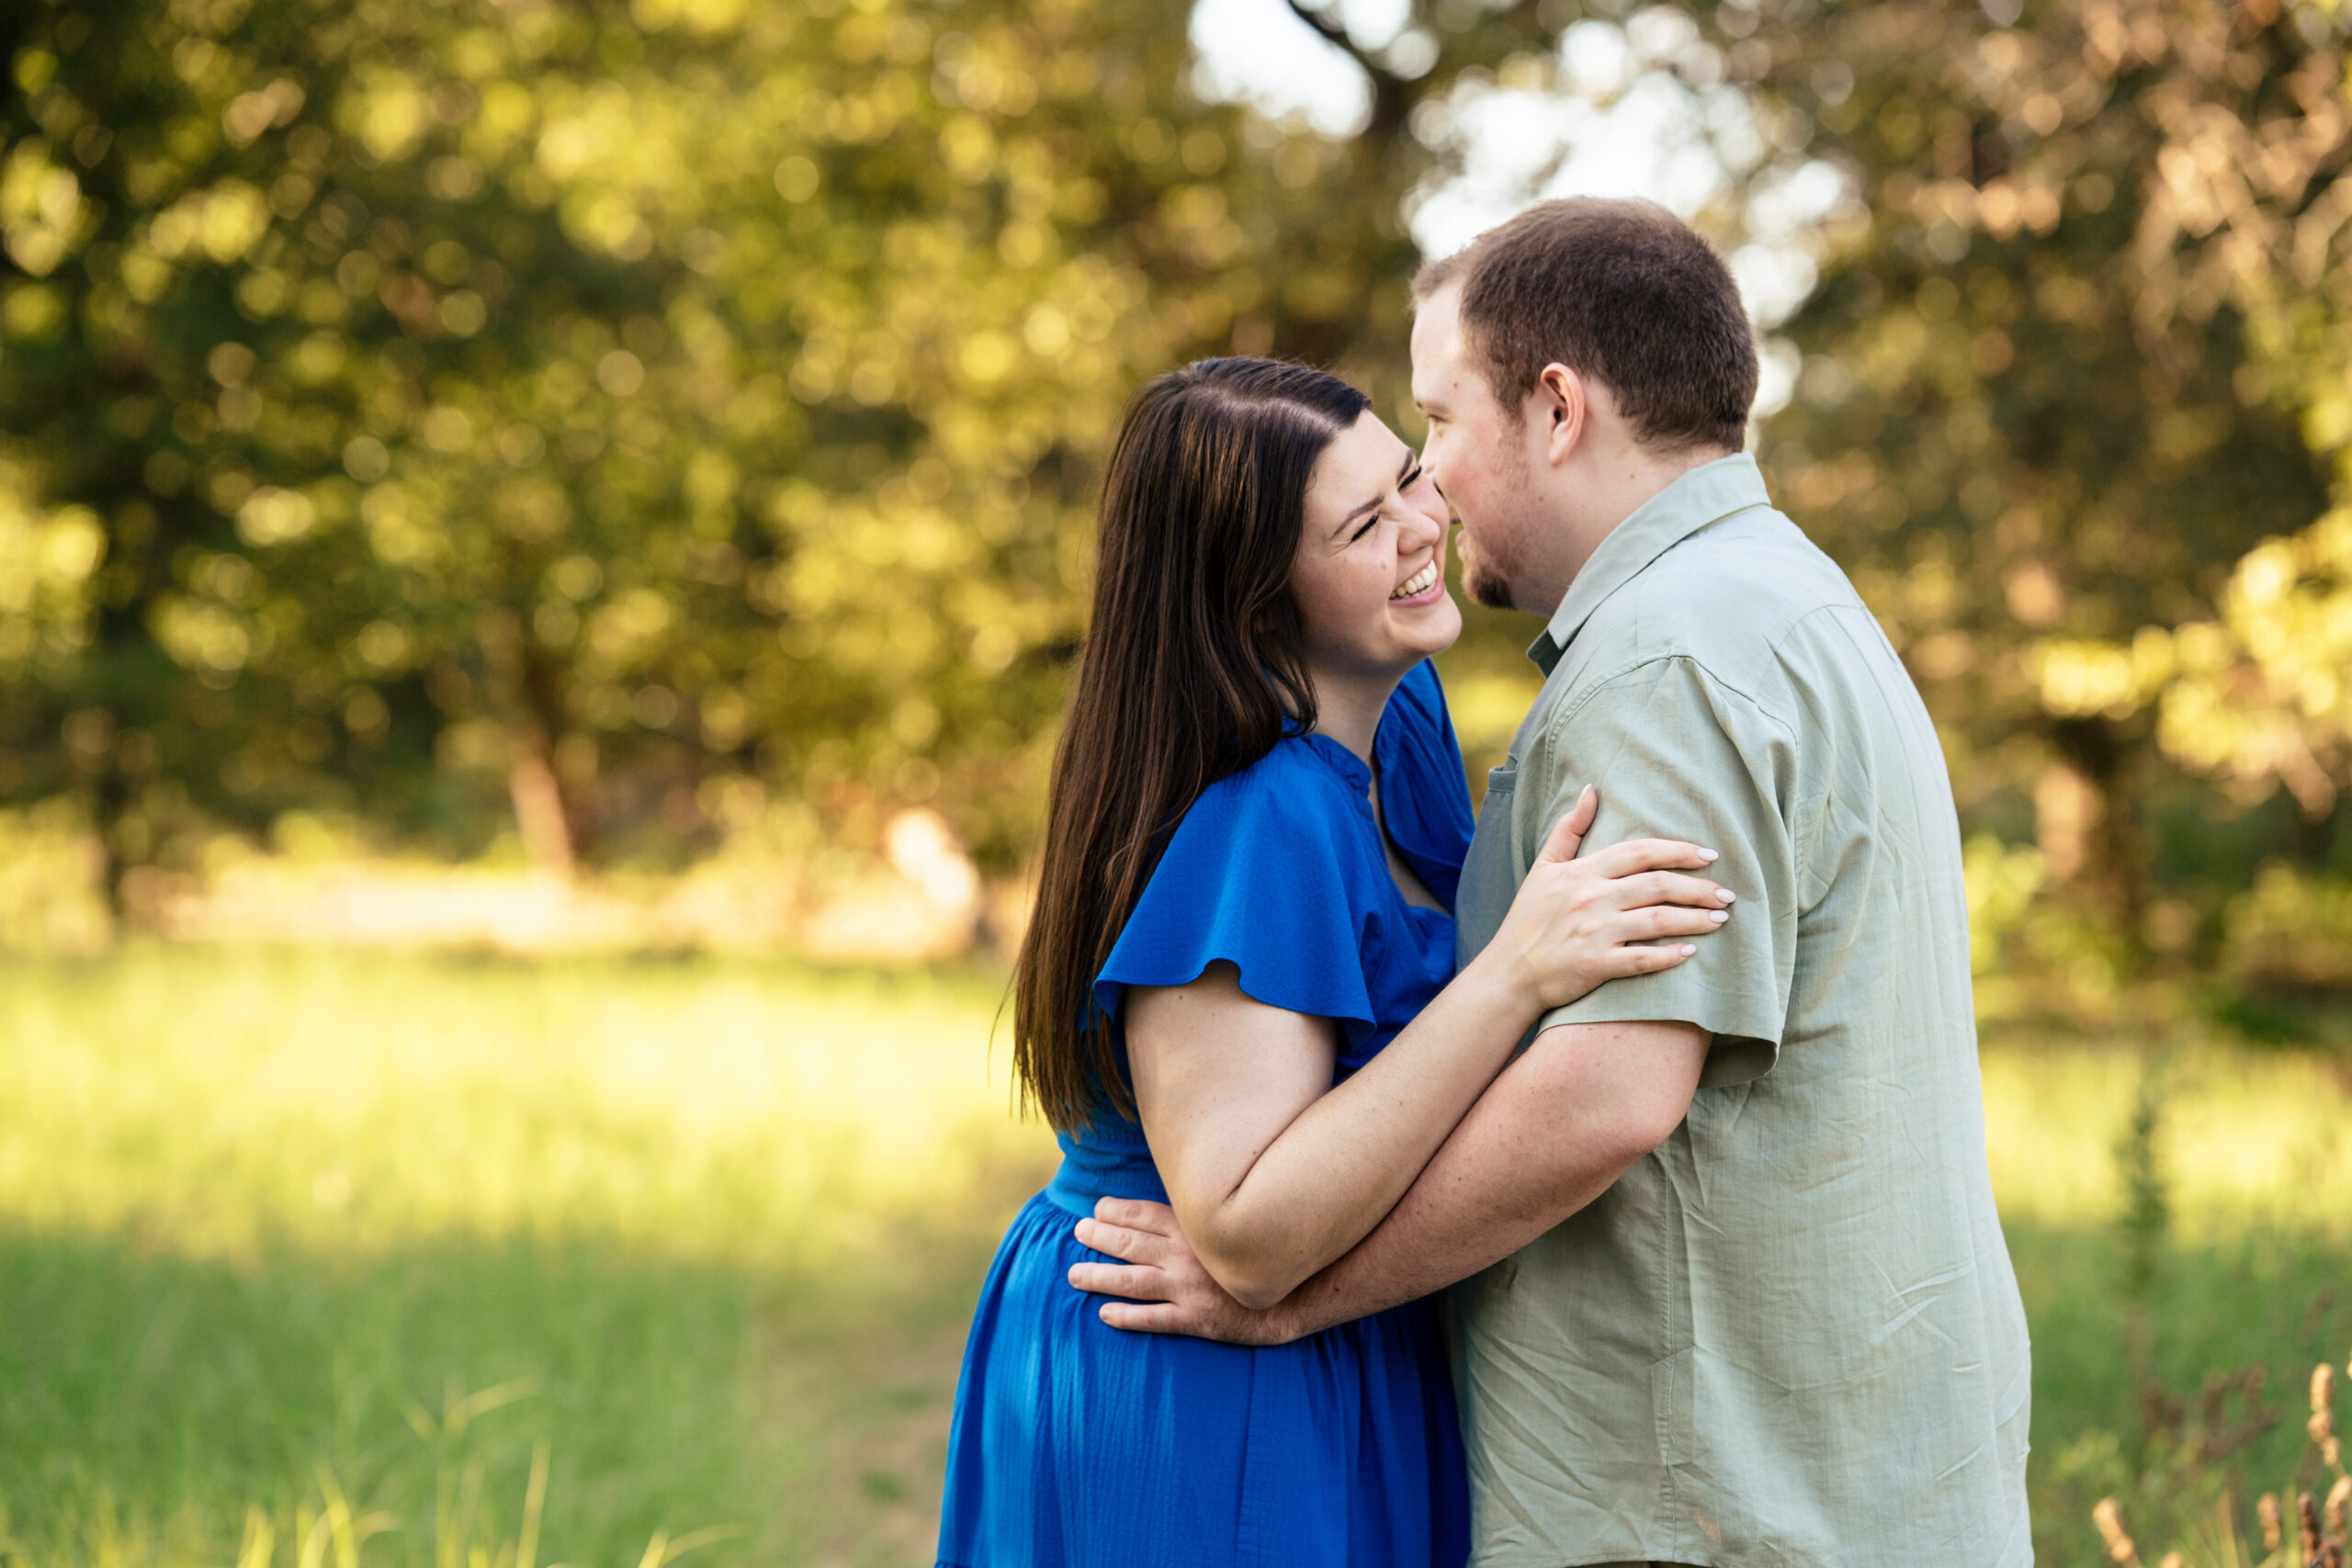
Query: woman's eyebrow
point(1364, 506)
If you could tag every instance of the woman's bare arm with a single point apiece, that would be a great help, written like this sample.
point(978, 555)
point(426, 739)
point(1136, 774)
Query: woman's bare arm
point(1558, 1128)
point(1273, 1172)
point(1277, 1171)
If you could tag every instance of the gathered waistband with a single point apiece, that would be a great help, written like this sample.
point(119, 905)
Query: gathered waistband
point(1080, 1182)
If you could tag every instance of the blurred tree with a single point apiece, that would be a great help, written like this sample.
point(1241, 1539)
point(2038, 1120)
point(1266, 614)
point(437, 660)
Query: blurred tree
point(605, 418)
point(600, 403)
point(2072, 381)
point(2249, 210)
point(2060, 383)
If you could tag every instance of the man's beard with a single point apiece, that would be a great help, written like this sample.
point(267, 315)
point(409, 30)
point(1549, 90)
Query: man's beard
point(1487, 572)
point(1483, 578)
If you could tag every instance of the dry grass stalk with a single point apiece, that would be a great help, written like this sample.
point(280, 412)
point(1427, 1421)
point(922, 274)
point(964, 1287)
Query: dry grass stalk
point(2321, 1538)
point(2321, 1425)
point(2110, 1521)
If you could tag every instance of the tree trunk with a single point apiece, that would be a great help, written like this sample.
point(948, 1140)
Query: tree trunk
point(540, 814)
point(2083, 820)
point(524, 696)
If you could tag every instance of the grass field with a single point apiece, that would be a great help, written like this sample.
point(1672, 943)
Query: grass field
point(307, 1258)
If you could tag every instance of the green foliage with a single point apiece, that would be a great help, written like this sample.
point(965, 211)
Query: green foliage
point(2145, 1221)
point(49, 897)
point(2062, 399)
point(2291, 933)
point(568, 417)
point(411, 408)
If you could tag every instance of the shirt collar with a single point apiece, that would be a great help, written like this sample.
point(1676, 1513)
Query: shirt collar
point(1708, 493)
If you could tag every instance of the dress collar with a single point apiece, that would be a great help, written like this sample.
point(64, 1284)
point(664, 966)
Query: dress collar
point(1708, 493)
point(1350, 766)
point(1342, 762)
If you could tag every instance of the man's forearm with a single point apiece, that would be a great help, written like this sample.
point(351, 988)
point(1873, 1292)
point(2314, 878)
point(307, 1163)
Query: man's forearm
point(1550, 1135)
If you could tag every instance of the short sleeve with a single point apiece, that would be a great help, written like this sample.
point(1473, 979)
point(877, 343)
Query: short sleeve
point(1261, 873)
point(1423, 792)
point(1678, 754)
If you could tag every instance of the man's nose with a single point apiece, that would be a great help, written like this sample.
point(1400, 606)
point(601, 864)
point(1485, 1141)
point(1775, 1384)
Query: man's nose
point(1431, 472)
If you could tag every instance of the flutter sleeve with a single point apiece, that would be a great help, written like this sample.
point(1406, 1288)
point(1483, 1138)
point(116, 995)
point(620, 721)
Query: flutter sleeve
point(1423, 794)
point(1261, 873)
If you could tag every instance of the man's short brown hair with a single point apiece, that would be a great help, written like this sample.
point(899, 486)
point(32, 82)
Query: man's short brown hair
point(1623, 291)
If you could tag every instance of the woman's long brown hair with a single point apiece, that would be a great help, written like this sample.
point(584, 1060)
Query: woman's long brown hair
point(1190, 670)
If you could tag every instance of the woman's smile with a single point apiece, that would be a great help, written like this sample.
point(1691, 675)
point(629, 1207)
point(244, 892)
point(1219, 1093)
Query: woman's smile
point(1424, 586)
point(1368, 579)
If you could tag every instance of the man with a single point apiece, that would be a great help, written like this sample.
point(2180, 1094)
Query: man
point(1732, 1291)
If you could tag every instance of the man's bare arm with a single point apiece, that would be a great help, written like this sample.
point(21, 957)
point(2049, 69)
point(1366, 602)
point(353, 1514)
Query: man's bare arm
point(1550, 1135)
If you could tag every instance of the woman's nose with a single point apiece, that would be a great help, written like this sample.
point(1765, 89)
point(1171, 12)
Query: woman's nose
point(1422, 528)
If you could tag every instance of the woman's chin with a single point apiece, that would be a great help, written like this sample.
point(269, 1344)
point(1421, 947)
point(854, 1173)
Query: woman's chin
point(1429, 628)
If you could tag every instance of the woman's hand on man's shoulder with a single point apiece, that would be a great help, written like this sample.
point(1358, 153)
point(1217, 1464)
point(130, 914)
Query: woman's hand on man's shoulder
point(1579, 921)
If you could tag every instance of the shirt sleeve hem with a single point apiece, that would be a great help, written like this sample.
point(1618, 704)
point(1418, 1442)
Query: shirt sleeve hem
point(1744, 1047)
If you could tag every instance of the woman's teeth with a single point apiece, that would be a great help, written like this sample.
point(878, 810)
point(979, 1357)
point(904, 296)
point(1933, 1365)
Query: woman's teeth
point(1420, 582)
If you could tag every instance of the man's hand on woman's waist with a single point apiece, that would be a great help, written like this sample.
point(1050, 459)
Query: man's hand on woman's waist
point(1160, 1286)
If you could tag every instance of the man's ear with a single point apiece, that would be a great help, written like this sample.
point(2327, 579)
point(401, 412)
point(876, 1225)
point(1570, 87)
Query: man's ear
point(1562, 401)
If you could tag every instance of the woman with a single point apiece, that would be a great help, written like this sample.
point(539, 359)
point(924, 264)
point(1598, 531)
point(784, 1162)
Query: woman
point(1237, 995)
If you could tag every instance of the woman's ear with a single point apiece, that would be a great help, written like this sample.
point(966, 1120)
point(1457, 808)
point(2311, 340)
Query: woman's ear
point(1562, 401)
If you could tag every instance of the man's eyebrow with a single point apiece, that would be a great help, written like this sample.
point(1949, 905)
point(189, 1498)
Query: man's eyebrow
point(1364, 506)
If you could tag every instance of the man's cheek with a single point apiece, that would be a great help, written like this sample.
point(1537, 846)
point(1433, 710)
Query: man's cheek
point(1474, 521)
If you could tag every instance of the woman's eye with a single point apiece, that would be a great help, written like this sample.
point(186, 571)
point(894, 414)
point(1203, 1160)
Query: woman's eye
point(1369, 525)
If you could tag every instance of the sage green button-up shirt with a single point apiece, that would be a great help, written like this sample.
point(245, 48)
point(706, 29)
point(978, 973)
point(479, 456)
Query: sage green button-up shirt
point(1790, 1334)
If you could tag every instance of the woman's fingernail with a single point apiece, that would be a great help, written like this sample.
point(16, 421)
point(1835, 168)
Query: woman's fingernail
point(1709, 855)
point(1725, 893)
point(1688, 950)
point(1719, 916)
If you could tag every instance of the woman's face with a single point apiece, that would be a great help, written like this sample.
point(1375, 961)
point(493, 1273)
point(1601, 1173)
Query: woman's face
point(1369, 578)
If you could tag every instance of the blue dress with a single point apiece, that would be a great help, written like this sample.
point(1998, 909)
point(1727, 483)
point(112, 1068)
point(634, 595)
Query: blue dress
point(1076, 1445)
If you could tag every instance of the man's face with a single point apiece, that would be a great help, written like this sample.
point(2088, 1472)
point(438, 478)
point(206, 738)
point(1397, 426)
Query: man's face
point(1475, 450)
